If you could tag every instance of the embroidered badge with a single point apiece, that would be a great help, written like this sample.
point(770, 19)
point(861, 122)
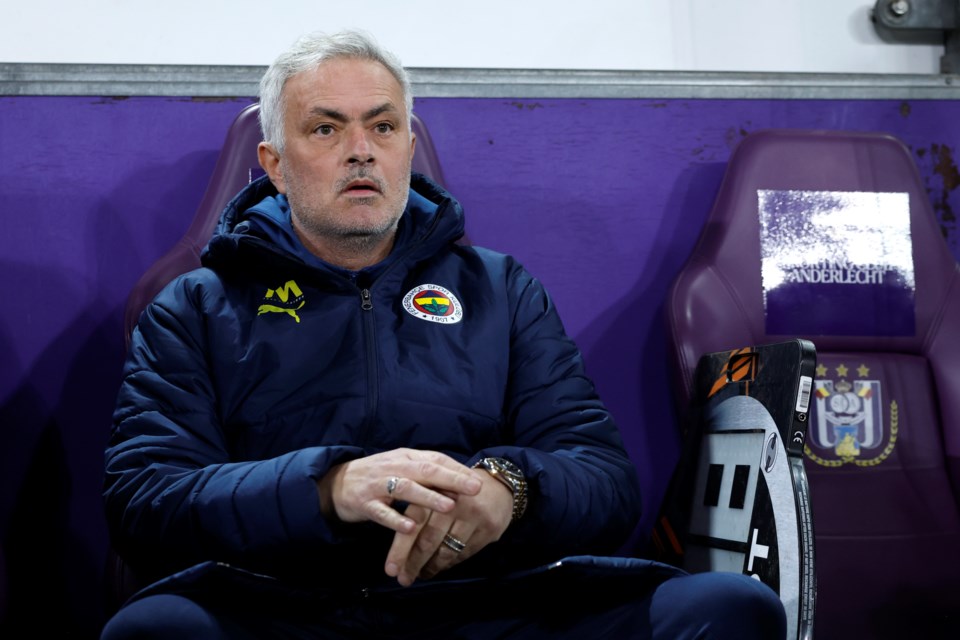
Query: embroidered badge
point(433, 303)
point(286, 299)
point(848, 425)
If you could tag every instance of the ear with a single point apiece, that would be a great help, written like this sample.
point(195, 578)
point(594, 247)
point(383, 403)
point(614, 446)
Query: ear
point(413, 144)
point(270, 161)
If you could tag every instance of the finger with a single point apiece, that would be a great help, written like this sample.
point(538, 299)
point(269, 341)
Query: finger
point(395, 488)
point(428, 541)
point(402, 544)
point(414, 493)
point(359, 490)
point(441, 472)
point(385, 515)
point(447, 554)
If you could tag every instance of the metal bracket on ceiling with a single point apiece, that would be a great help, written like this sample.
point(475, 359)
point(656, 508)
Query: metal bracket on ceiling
point(922, 20)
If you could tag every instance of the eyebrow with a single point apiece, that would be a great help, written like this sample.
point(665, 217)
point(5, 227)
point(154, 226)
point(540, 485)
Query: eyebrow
point(339, 116)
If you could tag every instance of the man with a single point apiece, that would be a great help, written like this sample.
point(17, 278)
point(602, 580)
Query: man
point(348, 425)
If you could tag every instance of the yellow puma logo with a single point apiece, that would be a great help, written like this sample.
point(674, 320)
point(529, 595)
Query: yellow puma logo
point(285, 299)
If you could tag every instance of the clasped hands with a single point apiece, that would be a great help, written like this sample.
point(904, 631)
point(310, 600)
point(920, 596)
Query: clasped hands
point(445, 499)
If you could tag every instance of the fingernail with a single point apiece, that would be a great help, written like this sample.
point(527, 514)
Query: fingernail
point(473, 484)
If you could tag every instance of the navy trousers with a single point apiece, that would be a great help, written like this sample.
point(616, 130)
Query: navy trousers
point(699, 606)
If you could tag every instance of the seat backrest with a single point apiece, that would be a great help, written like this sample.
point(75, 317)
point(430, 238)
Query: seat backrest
point(830, 236)
point(236, 167)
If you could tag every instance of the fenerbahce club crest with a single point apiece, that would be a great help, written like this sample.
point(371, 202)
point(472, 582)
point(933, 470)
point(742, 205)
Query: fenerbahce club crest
point(849, 427)
point(433, 303)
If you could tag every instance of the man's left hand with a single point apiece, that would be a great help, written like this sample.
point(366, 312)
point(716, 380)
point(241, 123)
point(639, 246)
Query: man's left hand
point(474, 522)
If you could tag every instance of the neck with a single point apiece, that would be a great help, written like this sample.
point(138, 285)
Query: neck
point(350, 252)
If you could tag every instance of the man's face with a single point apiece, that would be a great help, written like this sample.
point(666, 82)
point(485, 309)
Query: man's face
point(345, 168)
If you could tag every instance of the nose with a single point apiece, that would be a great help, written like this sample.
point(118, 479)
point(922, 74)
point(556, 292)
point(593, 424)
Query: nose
point(360, 151)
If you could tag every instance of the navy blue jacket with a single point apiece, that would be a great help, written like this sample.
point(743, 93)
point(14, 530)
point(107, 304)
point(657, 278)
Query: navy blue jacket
point(249, 378)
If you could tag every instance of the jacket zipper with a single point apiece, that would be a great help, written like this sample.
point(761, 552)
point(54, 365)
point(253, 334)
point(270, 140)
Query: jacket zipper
point(369, 330)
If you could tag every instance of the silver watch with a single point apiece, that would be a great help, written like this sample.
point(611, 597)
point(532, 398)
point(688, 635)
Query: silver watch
point(510, 475)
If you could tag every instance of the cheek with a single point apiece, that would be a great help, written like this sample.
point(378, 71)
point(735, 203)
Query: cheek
point(306, 178)
point(402, 169)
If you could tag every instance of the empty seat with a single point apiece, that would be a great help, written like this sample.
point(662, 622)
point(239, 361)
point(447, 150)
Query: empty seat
point(830, 236)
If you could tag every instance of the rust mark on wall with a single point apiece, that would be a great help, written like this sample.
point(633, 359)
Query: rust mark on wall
point(945, 166)
point(526, 105)
point(111, 99)
point(734, 135)
point(938, 161)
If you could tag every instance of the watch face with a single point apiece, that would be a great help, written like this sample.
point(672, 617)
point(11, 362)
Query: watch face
point(507, 467)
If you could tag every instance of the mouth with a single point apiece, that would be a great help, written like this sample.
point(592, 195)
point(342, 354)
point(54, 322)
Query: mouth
point(361, 187)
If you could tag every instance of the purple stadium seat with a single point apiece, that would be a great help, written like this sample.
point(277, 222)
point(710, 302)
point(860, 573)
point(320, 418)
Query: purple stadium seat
point(830, 236)
point(236, 166)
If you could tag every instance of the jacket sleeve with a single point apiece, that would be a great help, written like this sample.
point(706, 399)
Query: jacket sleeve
point(584, 489)
point(172, 496)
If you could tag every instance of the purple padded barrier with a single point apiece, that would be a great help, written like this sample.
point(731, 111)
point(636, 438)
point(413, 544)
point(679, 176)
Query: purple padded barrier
point(95, 189)
point(883, 450)
point(236, 166)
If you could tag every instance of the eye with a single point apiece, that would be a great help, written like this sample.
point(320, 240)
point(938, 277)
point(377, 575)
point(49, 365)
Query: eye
point(324, 130)
point(384, 127)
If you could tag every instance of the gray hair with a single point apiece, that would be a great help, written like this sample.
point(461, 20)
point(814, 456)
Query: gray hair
point(309, 52)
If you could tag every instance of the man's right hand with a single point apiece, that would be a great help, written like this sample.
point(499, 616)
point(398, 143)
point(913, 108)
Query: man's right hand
point(358, 490)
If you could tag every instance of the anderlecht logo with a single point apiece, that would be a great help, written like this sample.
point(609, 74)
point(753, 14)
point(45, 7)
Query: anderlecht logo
point(848, 425)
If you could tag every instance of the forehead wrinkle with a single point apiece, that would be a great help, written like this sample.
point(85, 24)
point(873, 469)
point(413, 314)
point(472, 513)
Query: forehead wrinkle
point(339, 116)
point(333, 114)
point(386, 107)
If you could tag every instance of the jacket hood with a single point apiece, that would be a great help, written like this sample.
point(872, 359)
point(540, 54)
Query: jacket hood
point(432, 218)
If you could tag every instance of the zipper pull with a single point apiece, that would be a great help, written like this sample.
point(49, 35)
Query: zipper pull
point(366, 300)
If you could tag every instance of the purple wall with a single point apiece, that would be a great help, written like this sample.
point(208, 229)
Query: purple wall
point(601, 198)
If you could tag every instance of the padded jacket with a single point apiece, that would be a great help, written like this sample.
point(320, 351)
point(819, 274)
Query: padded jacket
point(249, 378)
